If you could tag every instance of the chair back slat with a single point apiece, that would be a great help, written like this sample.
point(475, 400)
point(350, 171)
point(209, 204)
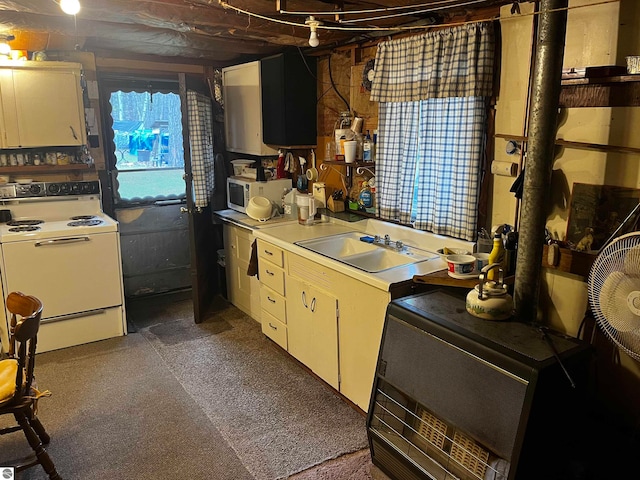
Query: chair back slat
point(23, 334)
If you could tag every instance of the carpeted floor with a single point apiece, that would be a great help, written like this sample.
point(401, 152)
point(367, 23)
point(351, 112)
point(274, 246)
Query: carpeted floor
point(278, 419)
point(178, 400)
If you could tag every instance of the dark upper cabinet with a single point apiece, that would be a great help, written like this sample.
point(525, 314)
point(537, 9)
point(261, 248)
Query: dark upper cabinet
point(289, 115)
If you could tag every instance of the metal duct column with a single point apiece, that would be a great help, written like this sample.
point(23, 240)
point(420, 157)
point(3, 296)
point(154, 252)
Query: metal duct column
point(543, 115)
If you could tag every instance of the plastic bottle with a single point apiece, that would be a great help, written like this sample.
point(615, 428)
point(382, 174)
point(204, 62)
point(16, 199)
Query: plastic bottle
point(367, 148)
point(365, 198)
point(497, 255)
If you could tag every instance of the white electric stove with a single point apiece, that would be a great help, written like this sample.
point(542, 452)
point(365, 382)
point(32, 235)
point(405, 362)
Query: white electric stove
point(60, 247)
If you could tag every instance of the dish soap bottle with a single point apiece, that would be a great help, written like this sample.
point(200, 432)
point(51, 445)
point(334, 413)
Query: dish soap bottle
point(367, 148)
point(496, 256)
point(365, 199)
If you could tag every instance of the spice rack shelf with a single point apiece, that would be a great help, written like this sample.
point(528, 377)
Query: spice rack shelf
point(47, 169)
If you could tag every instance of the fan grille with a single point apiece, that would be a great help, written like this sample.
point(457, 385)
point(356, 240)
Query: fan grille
point(614, 292)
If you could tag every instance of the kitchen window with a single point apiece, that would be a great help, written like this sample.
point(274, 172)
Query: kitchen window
point(433, 92)
point(147, 133)
point(144, 141)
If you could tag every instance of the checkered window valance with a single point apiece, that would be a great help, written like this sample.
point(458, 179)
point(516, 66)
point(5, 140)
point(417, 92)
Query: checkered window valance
point(452, 62)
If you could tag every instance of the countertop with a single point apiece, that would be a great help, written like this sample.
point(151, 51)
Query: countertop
point(285, 232)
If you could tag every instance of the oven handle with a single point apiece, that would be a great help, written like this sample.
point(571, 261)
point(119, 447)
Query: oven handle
point(58, 241)
point(71, 316)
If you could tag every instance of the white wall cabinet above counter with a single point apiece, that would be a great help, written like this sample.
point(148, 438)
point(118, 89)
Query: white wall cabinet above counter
point(41, 105)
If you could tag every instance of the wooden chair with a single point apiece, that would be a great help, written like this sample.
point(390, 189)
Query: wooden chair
point(18, 392)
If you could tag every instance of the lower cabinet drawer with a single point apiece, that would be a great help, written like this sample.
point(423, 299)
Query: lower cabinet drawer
point(274, 329)
point(271, 276)
point(273, 303)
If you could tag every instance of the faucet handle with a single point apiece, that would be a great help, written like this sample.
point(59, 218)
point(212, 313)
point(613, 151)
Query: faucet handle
point(376, 239)
point(387, 239)
point(399, 245)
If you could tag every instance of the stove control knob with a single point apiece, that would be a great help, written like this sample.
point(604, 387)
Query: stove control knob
point(35, 189)
point(75, 188)
point(64, 188)
point(54, 188)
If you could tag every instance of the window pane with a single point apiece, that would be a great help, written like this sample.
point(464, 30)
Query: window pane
point(156, 184)
point(147, 133)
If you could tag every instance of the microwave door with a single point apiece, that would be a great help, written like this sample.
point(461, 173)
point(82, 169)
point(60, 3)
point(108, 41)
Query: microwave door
point(236, 196)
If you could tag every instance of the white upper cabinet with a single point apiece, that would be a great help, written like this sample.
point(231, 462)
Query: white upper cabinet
point(242, 92)
point(41, 105)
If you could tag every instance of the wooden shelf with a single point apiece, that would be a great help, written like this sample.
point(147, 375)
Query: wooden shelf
point(579, 145)
point(570, 261)
point(615, 91)
point(442, 278)
point(353, 164)
point(47, 169)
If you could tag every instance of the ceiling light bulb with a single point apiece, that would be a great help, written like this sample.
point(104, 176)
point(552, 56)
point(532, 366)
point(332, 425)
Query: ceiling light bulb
point(5, 49)
point(313, 39)
point(70, 7)
point(313, 26)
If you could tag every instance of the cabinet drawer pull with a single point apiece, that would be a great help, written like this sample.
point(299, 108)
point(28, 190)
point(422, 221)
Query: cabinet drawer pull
point(270, 299)
point(269, 273)
point(268, 252)
point(313, 304)
point(273, 327)
point(304, 299)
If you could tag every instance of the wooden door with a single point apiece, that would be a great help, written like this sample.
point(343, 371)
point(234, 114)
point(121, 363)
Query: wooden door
point(204, 236)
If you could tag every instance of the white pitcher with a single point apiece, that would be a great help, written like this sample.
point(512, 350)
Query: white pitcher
point(306, 208)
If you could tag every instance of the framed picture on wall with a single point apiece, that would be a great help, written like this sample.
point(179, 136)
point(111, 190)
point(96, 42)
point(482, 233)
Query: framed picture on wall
point(596, 211)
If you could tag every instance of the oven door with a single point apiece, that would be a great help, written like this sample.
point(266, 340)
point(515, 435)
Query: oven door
point(70, 275)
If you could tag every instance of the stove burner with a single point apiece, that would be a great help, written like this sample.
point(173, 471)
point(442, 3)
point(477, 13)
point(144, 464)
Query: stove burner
point(83, 217)
point(84, 223)
point(29, 228)
point(20, 223)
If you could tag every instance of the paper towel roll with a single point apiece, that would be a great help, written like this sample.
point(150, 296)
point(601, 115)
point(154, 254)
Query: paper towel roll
point(506, 169)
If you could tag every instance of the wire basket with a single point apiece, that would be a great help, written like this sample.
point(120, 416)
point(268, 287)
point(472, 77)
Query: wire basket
point(469, 454)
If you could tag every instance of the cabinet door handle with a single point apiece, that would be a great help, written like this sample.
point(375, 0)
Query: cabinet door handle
point(269, 273)
point(274, 328)
point(313, 304)
point(304, 299)
point(73, 132)
point(268, 253)
point(270, 299)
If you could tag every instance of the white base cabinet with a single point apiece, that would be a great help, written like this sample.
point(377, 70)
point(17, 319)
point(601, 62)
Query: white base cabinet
point(242, 290)
point(313, 329)
point(350, 351)
point(328, 321)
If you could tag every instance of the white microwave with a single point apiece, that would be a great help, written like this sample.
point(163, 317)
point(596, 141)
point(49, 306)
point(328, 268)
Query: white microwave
point(241, 189)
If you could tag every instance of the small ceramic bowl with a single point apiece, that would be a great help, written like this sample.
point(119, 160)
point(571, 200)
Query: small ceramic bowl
point(452, 251)
point(482, 260)
point(461, 264)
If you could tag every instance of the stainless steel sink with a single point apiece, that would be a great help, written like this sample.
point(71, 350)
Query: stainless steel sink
point(349, 249)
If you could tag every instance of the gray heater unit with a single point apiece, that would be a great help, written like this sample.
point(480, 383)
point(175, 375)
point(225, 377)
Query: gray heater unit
point(456, 397)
